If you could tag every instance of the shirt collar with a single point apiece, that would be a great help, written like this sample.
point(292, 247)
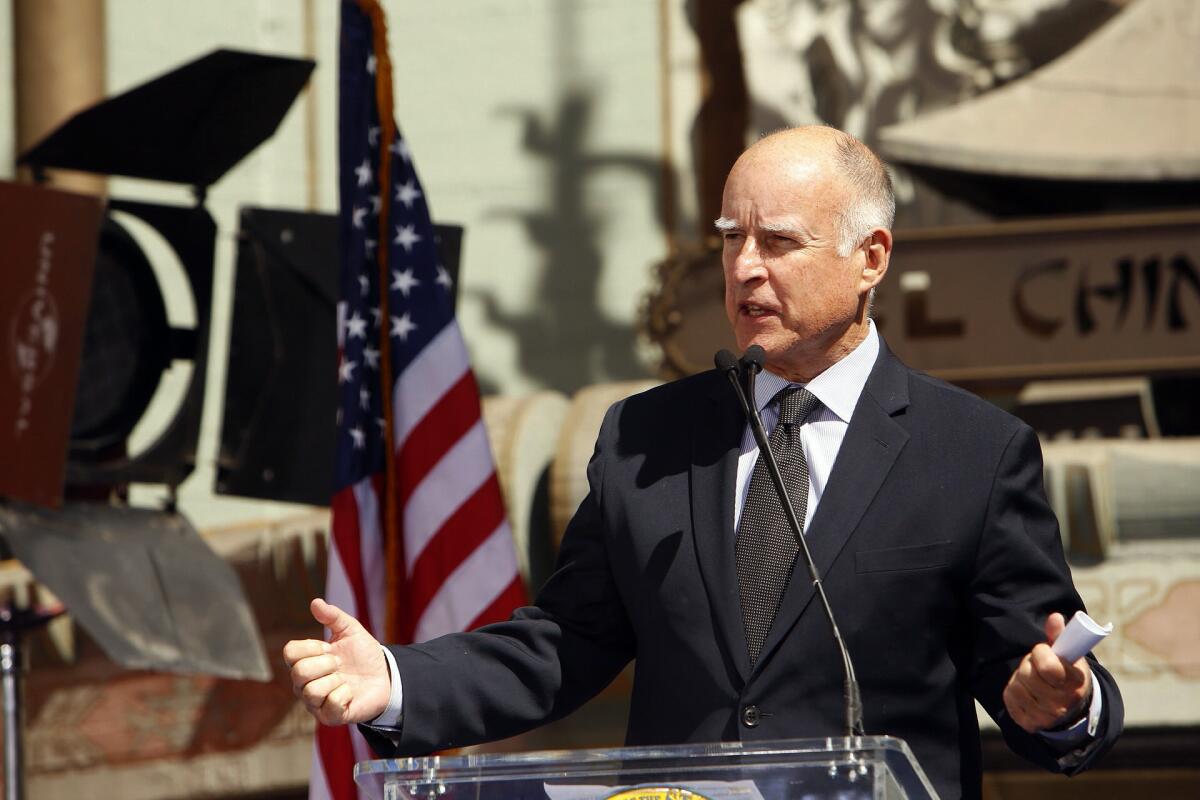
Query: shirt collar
point(838, 387)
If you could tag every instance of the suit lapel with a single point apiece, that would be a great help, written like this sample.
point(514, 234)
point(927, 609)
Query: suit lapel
point(872, 443)
point(717, 428)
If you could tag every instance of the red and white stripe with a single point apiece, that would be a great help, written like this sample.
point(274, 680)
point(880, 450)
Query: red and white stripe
point(460, 565)
point(460, 562)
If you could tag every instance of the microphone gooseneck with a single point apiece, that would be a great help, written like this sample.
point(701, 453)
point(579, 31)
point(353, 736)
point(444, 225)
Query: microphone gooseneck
point(749, 365)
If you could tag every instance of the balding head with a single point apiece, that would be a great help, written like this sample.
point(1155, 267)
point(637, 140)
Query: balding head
point(805, 219)
point(868, 201)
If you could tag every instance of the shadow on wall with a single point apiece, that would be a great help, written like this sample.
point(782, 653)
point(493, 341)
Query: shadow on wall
point(565, 338)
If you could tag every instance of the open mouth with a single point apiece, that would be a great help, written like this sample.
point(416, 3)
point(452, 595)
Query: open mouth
point(755, 310)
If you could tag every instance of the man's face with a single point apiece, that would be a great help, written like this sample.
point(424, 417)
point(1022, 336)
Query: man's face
point(786, 288)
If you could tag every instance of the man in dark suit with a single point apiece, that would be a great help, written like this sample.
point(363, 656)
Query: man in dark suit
point(922, 504)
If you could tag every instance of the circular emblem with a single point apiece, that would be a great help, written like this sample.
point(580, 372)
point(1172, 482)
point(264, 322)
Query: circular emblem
point(656, 793)
point(33, 337)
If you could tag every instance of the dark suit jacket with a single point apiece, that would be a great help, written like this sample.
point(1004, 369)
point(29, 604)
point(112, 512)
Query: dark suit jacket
point(939, 553)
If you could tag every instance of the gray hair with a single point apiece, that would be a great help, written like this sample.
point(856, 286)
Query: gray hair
point(873, 201)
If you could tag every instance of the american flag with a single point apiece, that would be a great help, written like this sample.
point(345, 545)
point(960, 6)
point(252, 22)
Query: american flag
point(452, 563)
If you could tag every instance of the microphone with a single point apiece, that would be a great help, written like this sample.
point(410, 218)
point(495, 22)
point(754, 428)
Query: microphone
point(750, 364)
point(725, 360)
point(755, 357)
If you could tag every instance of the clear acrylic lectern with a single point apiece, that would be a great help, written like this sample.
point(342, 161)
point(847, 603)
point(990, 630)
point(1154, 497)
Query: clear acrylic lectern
point(861, 768)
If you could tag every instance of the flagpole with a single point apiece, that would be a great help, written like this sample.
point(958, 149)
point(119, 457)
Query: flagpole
point(387, 125)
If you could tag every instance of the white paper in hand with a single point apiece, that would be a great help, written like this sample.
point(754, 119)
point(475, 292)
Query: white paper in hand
point(1079, 637)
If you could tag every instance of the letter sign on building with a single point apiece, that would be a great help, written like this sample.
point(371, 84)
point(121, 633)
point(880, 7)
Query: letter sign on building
point(1053, 298)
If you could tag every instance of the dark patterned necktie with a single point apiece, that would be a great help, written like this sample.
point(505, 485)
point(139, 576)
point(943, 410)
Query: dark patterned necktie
point(766, 546)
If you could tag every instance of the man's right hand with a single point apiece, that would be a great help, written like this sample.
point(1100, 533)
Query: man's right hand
point(343, 680)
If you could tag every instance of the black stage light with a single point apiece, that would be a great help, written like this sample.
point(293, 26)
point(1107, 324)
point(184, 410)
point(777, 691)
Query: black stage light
point(125, 343)
point(143, 584)
point(189, 126)
point(48, 242)
point(278, 432)
point(128, 345)
point(277, 435)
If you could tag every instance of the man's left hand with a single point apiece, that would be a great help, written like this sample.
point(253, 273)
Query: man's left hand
point(1045, 691)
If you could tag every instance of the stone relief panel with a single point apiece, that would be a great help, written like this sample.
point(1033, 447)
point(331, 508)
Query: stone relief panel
point(861, 65)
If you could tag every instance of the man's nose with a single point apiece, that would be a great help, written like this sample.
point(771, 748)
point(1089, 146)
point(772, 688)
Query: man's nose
point(748, 262)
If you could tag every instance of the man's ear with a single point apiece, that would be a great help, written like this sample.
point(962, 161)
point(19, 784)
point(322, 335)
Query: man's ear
point(877, 251)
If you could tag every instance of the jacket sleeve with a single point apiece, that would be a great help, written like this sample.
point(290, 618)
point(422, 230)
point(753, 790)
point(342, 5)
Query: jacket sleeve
point(1020, 578)
point(543, 663)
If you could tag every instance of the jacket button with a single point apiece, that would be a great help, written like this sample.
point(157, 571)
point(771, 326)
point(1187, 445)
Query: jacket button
point(751, 716)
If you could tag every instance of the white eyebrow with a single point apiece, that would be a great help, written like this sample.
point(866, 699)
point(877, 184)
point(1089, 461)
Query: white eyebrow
point(780, 227)
point(727, 225)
